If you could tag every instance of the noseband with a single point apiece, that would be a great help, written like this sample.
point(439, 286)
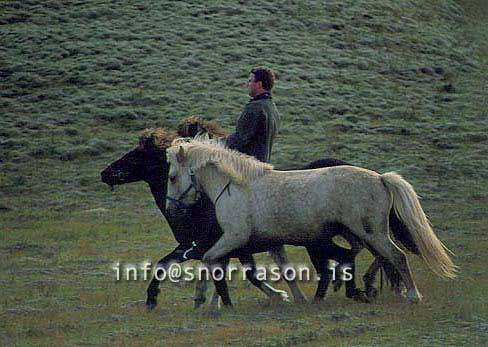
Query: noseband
point(193, 184)
point(120, 174)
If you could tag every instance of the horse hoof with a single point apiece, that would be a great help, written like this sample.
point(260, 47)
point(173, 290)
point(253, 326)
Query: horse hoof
point(361, 297)
point(283, 296)
point(414, 297)
point(399, 292)
point(151, 303)
point(414, 300)
point(198, 303)
point(371, 292)
point(337, 284)
point(299, 297)
point(318, 299)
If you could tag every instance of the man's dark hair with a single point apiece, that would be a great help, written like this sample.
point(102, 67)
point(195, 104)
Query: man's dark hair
point(265, 75)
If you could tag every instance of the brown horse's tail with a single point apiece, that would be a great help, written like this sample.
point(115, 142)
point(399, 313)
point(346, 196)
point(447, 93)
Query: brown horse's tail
point(408, 209)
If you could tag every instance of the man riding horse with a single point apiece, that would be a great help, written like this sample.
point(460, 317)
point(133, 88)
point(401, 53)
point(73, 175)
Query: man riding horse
point(257, 124)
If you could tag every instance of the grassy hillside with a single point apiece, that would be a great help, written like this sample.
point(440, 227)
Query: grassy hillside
point(390, 85)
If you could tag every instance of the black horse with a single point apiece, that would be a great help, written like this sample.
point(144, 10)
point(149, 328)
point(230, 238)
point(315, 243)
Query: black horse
point(148, 163)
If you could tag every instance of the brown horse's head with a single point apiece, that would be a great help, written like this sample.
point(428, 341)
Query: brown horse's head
point(146, 162)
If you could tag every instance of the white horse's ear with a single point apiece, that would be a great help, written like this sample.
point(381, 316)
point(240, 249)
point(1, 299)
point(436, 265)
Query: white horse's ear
point(202, 136)
point(180, 156)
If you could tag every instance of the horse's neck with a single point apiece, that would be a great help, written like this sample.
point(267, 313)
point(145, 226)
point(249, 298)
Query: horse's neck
point(212, 181)
point(158, 190)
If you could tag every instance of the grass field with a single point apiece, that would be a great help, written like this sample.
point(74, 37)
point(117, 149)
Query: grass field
point(389, 85)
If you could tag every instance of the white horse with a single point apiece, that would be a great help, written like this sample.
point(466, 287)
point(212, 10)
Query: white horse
point(262, 206)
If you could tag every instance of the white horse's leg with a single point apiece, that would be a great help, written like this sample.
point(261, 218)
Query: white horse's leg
point(281, 259)
point(226, 244)
point(214, 303)
point(379, 239)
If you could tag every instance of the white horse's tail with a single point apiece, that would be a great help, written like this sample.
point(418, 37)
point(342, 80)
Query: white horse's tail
point(407, 207)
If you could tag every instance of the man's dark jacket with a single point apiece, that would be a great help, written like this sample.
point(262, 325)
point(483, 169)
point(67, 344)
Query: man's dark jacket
point(256, 128)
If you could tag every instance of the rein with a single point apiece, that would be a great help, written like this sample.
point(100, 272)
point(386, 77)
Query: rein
point(193, 184)
point(222, 192)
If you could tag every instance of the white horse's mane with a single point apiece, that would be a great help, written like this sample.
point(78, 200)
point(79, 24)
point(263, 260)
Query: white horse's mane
point(200, 151)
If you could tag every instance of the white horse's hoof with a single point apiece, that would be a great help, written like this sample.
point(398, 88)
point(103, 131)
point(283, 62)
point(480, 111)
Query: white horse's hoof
point(400, 292)
point(282, 295)
point(414, 296)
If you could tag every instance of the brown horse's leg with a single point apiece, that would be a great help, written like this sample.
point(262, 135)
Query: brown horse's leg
point(375, 231)
point(382, 243)
point(370, 276)
point(320, 263)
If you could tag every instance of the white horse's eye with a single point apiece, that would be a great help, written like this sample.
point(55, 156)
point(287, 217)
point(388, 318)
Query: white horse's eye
point(173, 178)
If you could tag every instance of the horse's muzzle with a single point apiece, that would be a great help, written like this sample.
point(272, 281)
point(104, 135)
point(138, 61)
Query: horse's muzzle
point(106, 177)
point(112, 177)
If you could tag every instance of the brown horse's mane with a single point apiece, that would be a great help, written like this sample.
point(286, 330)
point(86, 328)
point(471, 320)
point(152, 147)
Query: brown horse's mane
point(161, 138)
point(156, 138)
point(191, 126)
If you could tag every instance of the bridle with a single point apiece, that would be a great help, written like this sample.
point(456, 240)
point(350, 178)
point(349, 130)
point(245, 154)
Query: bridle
point(119, 174)
point(193, 184)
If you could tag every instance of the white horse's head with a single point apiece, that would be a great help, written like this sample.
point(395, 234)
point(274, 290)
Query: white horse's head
point(183, 190)
point(188, 156)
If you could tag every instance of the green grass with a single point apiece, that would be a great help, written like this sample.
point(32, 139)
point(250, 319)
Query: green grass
point(389, 85)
